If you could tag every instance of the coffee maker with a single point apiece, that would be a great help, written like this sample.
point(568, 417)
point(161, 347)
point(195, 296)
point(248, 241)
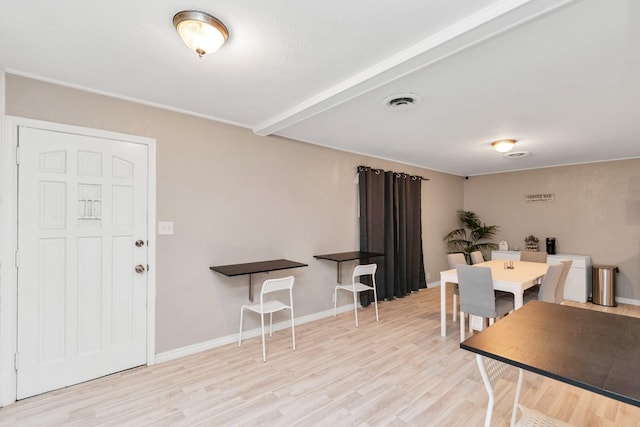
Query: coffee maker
point(551, 245)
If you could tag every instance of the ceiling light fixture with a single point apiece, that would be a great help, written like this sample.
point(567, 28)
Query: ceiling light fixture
point(503, 145)
point(200, 31)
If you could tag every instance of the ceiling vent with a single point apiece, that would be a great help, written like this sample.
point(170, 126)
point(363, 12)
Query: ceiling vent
point(516, 154)
point(402, 101)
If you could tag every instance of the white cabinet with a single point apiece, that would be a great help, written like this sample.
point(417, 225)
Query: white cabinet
point(578, 282)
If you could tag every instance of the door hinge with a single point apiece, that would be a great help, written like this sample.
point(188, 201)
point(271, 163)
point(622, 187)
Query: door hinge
point(15, 361)
point(17, 155)
point(17, 259)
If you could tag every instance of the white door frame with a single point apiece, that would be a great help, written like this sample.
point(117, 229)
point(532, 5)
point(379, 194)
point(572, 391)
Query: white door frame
point(8, 240)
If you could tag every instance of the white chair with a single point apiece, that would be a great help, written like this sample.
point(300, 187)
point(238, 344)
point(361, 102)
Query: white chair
point(533, 256)
point(455, 260)
point(271, 306)
point(563, 279)
point(491, 370)
point(356, 287)
point(477, 296)
point(476, 257)
point(548, 287)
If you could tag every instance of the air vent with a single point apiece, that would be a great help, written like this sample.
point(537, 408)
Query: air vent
point(516, 154)
point(402, 101)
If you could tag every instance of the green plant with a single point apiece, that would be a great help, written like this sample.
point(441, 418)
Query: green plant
point(471, 236)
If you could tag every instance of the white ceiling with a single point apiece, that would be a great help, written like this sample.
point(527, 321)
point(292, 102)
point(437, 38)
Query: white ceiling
point(561, 77)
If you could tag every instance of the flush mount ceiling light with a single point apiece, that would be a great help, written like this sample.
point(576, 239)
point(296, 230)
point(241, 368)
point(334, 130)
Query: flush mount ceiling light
point(503, 145)
point(200, 31)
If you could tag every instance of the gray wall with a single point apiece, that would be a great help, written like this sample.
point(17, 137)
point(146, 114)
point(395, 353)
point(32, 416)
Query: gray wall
point(596, 212)
point(238, 197)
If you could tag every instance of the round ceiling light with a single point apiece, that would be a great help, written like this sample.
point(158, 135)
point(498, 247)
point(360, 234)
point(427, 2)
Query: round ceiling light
point(503, 145)
point(200, 31)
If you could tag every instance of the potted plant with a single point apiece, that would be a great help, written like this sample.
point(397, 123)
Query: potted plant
point(471, 236)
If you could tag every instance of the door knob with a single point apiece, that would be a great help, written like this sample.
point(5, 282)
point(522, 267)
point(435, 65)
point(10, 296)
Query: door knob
point(139, 243)
point(140, 268)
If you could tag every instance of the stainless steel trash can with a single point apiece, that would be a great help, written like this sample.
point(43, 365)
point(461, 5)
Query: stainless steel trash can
point(604, 285)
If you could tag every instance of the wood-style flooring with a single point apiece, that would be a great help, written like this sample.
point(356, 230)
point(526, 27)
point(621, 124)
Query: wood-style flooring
point(398, 372)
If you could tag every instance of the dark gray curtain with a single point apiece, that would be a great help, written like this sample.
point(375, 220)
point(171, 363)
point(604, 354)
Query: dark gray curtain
point(390, 222)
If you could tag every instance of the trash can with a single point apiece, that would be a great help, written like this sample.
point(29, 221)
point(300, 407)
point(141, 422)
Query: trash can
point(604, 285)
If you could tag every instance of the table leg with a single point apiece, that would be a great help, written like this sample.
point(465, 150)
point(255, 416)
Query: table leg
point(339, 273)
point(443, 307)
point(250, 287)
point(518, 299)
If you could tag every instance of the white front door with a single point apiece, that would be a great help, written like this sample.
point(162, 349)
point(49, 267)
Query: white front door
point(82, 306)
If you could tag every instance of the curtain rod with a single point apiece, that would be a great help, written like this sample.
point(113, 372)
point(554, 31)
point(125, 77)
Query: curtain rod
point(360, 168)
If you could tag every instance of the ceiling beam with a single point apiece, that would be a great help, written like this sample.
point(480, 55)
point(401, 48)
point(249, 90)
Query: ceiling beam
point(501, 16)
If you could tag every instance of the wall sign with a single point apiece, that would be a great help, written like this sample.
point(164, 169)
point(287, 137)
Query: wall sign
point(538, 198)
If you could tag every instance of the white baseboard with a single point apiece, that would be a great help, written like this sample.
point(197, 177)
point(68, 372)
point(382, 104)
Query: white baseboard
point(233, 338)
point(629, 301)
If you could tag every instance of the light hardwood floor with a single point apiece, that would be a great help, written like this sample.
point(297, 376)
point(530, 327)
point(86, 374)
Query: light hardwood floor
point(398, 372)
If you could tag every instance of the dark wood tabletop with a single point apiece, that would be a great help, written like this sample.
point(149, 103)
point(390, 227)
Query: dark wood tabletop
point(348, 256)
point(256, 267)
point(589, 349)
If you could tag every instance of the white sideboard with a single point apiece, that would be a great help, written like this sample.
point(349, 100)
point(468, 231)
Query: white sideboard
point(578, 283)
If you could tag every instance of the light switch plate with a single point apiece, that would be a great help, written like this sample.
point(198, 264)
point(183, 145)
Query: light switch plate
point(165, 227)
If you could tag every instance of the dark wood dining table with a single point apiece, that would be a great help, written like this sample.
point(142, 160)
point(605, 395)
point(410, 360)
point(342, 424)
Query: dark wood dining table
point(341, 257)
point(593, 350)
point(252, 268)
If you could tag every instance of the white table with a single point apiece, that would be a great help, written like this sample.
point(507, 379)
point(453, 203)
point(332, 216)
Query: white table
point(523, 276)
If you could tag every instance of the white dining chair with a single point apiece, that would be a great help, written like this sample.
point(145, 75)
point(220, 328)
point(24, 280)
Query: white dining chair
point(491, 371)
point(547, 290)
point(454, 260)
point(269, 307)
point(476, 257)
point(563, 279)
point(533, 256)
point(357, 286)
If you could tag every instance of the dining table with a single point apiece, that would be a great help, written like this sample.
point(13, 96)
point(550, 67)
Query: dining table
point(589, 349)
point(516, 280)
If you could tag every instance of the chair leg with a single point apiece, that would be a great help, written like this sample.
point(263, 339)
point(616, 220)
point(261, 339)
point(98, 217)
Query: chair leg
point(240, 333)
point(454, 308)
point(335, 301)
point(293, 332)
point(355, 307)
point(462, 329)
point(264, 348)
point(375, 299)
point(271, 324)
